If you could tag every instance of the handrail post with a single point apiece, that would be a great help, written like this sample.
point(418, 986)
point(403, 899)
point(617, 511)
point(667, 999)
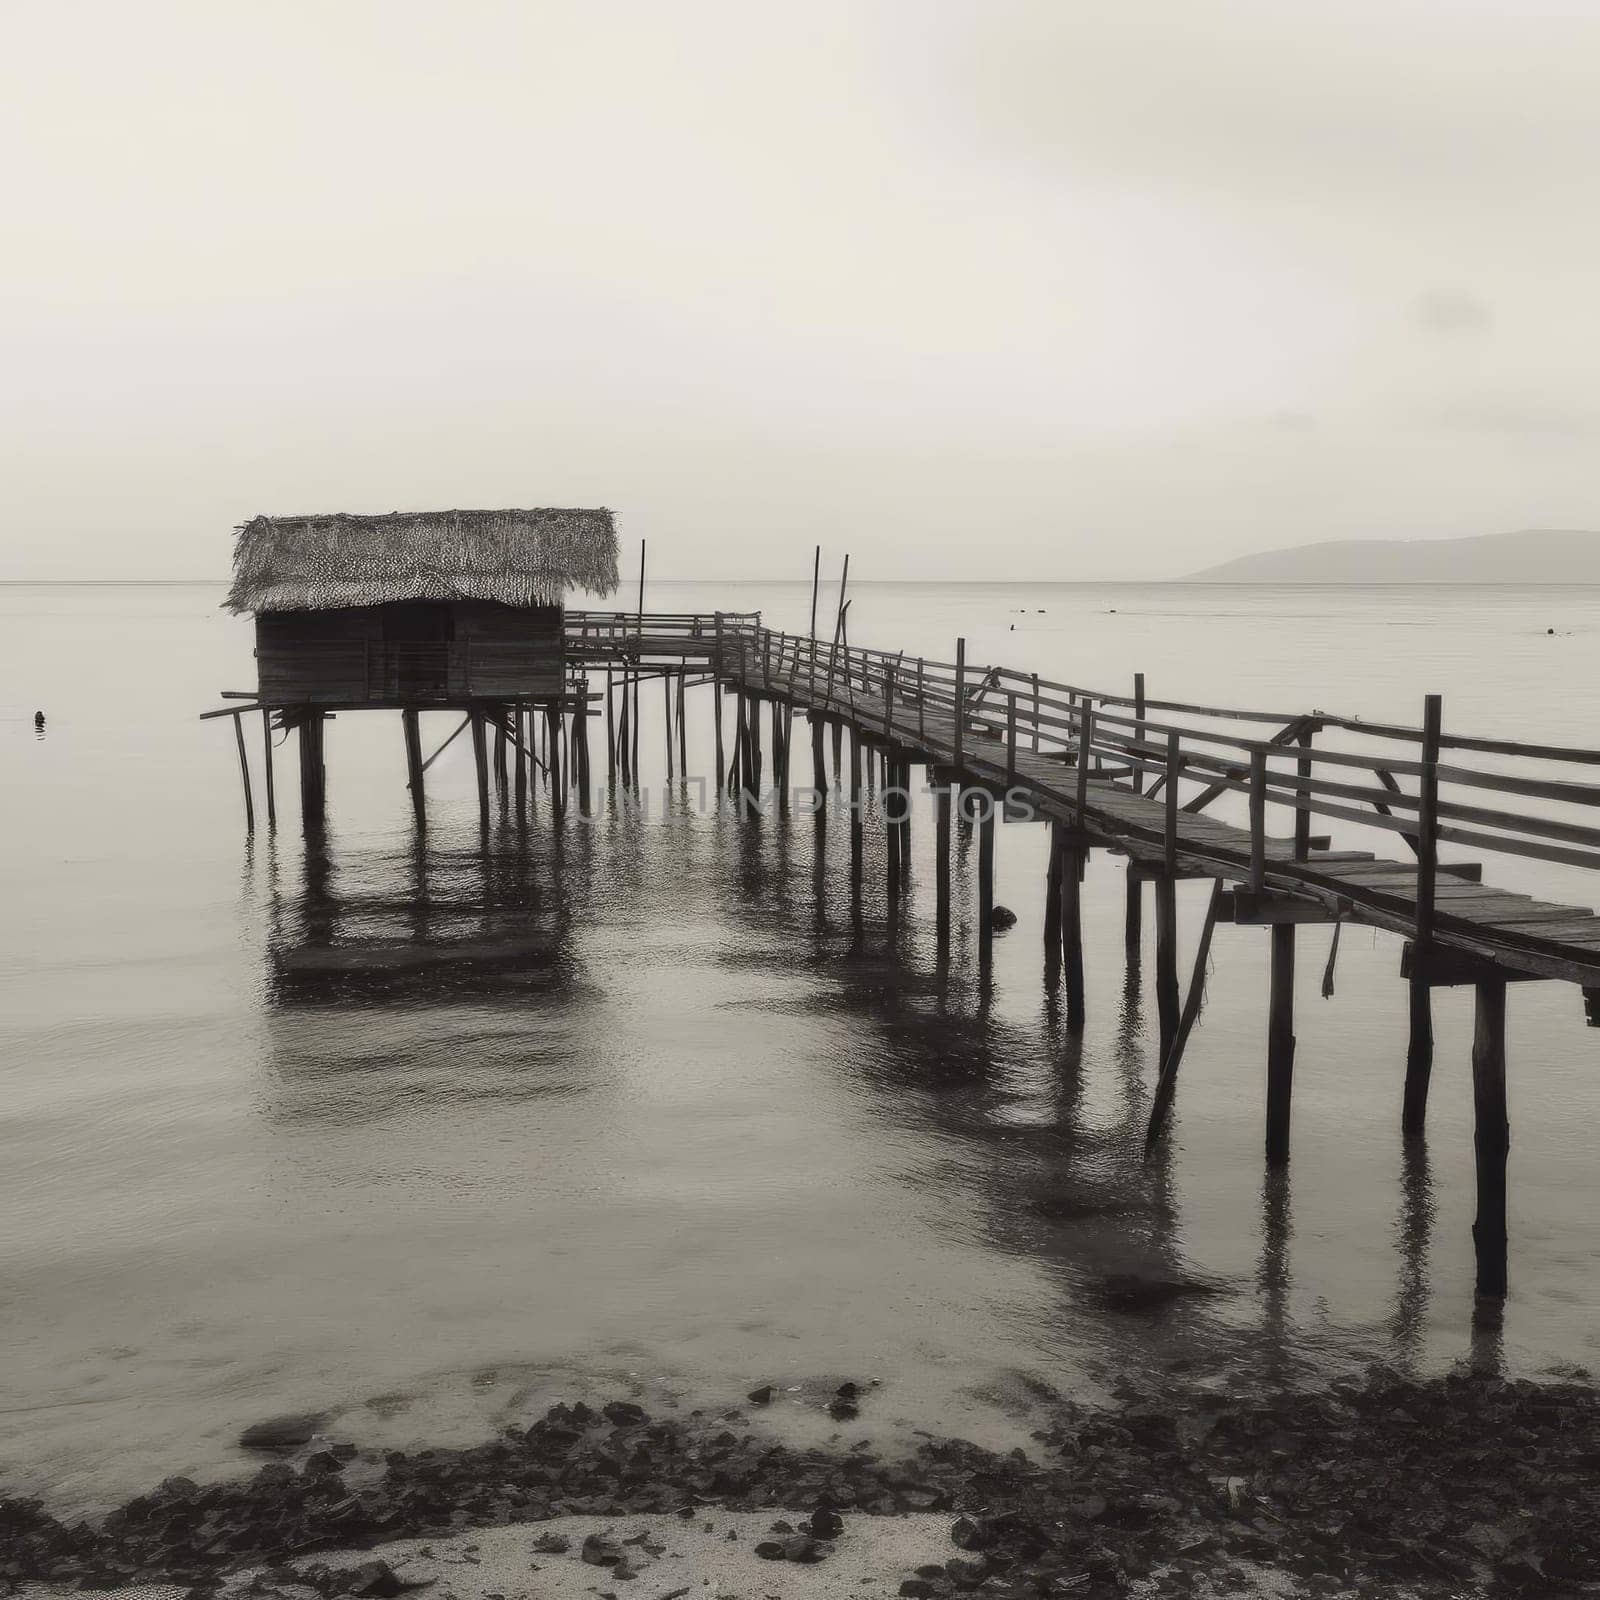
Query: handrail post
point(961, 699)
point(1011, 737)
point(922, 705)
point(1138, 728)
point(1169, 832)
point(1302, 794)
point(1085, 744)
point(888, 702)
point(1035, 713)
point(1258, 819)
point(1419, 1048)
point(1427, 825)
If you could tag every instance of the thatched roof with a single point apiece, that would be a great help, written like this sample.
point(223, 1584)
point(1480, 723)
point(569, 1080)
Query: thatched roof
point(520, 558)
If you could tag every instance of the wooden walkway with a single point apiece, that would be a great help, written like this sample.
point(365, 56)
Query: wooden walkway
point(1137, 776)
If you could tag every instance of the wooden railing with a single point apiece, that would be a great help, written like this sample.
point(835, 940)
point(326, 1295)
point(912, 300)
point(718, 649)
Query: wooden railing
point(1423, 798)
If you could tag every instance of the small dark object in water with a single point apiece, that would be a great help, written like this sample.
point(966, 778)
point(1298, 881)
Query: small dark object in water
point(38, 716)
point(281, 1433)
point(1002, 917)
point(40, 719)
point(761, 1396)
point(842, 1410)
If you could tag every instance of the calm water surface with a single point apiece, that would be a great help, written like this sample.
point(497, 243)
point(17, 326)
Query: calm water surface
point(696, 1130)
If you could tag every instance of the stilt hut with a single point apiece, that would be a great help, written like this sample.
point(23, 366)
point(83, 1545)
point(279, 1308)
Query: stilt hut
point(412, 611)
point(416, 608)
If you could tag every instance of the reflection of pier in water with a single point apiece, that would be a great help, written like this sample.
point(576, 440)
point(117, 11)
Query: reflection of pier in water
point(1083, 1200)
point(419, 924)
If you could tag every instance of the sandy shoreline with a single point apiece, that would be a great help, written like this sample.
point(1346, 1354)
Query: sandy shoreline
point(1469, 1484)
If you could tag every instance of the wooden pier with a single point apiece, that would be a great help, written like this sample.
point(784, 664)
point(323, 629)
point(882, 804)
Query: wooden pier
point(1130, 774)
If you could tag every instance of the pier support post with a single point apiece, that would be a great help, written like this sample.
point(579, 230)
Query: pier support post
point(1419, 1049)
point(1280, 1044)
point(716, 717)
point(941, 866)
point(986, 880)
point(502, 770)
point(819, 765)
point(611, 734)
point(1072, 931)
point(558, 783)
point(1052, 905)
point(856, 807)
point(1419, 1057)
point(683, 737)
point(410, 722)
point(1491, 1137)
point(480, 761)
point(1133, 918)
point(1166, 896)
point(244, 773)
point(313, 774)
point(266, 744)
point(580, 756)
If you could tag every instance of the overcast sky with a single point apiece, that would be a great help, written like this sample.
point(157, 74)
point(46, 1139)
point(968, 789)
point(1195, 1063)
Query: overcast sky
point(983, 289)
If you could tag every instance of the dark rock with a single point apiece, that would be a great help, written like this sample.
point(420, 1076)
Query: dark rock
point(282, 1433)
point(625, 1414)
point(553, 1544)
point(761, 1396)
point(826, 1524)
point(1001, 918)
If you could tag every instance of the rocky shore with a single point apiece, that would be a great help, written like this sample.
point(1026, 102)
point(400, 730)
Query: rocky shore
point(1467, 1484)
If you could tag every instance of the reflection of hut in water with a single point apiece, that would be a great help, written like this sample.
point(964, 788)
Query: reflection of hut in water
point(417, 926)
point(416, 610)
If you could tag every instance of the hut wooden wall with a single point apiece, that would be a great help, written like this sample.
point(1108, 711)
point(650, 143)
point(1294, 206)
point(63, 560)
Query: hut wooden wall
point(342, 657)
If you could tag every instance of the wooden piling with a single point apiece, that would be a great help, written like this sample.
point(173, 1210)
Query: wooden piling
point(1133, 910)
point(1172, 1053)
point(941, 864)
point(1052, 904)
point(1280, 1044)
point(266, 750)
point(819, 765)
point(558, 787)
point(1419, 1048)
point(519, 762)
point(986, 881)
point(666, 718)
point(856, 821)
point(410, 722)
point(716, 717)
point(1072, 932)
point(580, 748)
point(1491, 1138)
point(244, 773)
point(1166, 899)
point(683, 737)
point(313, 774)
point(480, 761)
point(502, 770)
point(611, 732)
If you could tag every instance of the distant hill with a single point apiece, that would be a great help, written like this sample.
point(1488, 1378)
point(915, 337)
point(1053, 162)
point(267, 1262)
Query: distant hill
point(1532, 555)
